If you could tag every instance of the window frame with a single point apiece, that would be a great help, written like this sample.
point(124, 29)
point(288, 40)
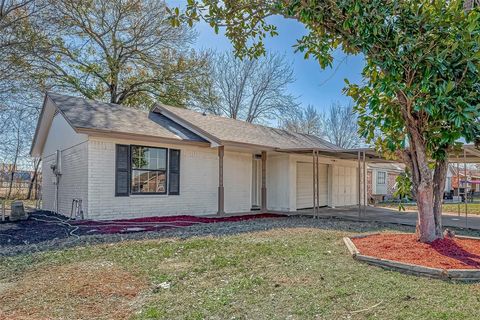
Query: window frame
point(384, 176)
point(166, 171)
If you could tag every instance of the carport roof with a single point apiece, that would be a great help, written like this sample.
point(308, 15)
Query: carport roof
point(470, 154)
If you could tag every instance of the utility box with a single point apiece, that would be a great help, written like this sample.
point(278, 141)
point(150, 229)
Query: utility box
point(17, 211)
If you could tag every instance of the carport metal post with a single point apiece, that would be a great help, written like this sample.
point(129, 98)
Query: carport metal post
point(364, 184)
point(359, 185)
point(318, 191)
point(314, 208)
point(465, 189)
point(458, 185)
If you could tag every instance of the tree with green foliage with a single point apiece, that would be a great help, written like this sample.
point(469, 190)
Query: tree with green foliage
point(421, 85)
point(123, 52)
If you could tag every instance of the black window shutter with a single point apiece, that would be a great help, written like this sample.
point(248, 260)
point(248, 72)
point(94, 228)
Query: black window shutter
point(122, 170)
point(174, 172)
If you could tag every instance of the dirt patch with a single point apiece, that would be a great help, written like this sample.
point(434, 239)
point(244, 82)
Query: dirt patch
point(87, 290)
point(445, 253)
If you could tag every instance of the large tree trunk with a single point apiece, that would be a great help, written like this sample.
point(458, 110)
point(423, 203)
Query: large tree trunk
point(439, 178)
point(423, 184)
point(426, 231)
point(426, 186)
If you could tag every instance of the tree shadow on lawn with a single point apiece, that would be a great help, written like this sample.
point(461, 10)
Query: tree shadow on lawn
point(46, 231)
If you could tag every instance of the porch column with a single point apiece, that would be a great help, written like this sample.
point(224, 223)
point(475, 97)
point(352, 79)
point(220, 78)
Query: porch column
point(264, 181)
point(221, 191)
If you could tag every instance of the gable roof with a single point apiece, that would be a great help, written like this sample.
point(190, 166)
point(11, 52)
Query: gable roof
point(90, 114)
point(165, 122)
point(228, 130)
point(87, 116)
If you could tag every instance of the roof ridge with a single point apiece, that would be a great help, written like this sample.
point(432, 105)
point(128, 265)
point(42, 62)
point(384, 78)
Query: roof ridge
point(257, 125)
point(122, 106)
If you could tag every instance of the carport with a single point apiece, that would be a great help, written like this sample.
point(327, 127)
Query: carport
point(469, 154)
point(362, 156)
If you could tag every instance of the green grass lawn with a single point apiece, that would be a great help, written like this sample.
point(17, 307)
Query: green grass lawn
point(473, 208)
point(296, 273)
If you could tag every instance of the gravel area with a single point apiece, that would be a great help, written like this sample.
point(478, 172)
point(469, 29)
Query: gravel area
point(34, 235)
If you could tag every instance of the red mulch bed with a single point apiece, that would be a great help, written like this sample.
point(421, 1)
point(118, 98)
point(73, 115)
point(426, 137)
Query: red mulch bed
point(156, 223)
point(444, 253)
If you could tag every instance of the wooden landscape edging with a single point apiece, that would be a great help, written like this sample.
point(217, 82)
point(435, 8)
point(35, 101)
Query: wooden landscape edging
point(466, 275)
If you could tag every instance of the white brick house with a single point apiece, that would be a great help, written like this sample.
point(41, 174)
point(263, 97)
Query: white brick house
point(124, 163)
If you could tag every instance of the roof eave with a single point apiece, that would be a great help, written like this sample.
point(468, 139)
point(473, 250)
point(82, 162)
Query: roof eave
point(135, 136)
point(37, 128)
point(214, 141)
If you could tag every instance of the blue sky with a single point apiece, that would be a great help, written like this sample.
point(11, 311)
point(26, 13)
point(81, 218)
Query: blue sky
point(313, 85)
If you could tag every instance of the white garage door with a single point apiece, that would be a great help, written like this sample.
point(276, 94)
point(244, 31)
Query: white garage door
point(345, 186)
point(305, 185)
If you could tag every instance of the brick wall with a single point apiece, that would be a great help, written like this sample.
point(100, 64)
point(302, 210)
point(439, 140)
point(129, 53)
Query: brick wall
point(391, 181)
point(198, 184)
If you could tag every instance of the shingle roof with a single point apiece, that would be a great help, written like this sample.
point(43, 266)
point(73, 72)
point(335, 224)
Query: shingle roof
point(231, 130)
point(109, 117)
point(90, 114)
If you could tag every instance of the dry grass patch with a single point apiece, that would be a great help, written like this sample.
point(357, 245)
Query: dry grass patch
point(81, 290)
point(283, 273)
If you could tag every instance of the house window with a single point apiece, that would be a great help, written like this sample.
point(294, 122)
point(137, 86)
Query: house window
point(381, 177)
point(146, 170)
point(149, 170)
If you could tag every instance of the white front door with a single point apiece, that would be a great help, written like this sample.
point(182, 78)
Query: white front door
point(381, 182)
point(305, 185)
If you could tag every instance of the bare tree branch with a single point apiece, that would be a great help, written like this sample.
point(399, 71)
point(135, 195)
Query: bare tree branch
point(340, 126)
point(253, 90)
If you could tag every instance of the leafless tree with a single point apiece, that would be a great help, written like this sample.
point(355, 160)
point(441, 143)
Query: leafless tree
point(339, 126)
point(18, 124)
point(251, 89)
point(119, 51)
point(16, 140)
point(306, 121)
point(34, 177)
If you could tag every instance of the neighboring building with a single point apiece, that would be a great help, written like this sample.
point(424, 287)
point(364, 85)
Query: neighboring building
point(123, 163)
point(381, 180)
point(449, 181)
point(459, 184)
